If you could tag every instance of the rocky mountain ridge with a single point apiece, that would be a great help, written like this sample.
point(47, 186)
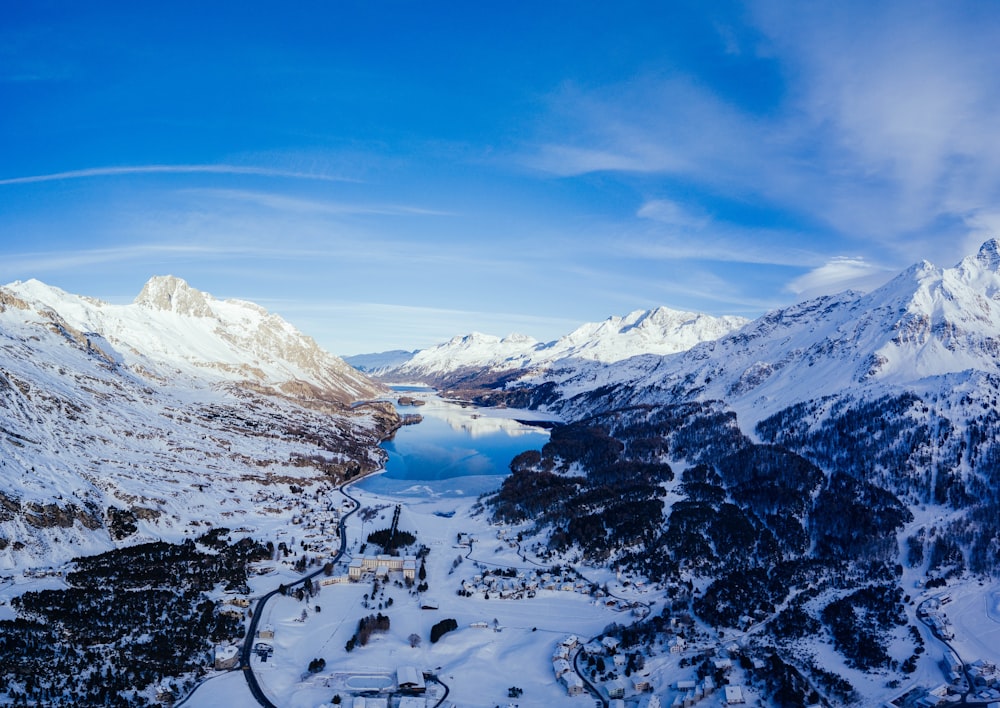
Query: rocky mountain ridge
point(172, 328)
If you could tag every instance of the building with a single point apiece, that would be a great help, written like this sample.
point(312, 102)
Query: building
point(266, 633)
point(560, 667)
point(362, 702)
point(734, 695)
point(641, 684)
point(616, 688)
point(226, 657)
point(573, 683)
point(382, 565)
point(409, 679)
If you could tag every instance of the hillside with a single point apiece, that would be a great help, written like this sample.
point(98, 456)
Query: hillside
point(121, 424)
point(802, 475)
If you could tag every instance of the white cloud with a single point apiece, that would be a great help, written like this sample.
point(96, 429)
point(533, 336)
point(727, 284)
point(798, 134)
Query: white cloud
point(282, 202)
point(671, 213)
point(171, 169)
point(839, 274)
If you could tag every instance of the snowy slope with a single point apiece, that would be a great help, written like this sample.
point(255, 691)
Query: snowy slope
point(91, 427)
point(926, 323)
point(659, 331)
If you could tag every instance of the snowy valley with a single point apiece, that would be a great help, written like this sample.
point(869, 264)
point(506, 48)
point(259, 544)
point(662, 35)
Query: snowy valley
point(803, 509)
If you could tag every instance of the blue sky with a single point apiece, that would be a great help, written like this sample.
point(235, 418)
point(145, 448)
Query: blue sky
point(390, 174)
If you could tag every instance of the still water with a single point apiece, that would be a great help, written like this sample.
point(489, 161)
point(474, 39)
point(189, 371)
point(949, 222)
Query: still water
point(455, 450)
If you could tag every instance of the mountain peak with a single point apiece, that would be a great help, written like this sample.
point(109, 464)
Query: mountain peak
point(989, 255)
point(172, 294)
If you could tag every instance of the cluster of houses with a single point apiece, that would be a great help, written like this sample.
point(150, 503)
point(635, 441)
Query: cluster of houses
point(984, 674)
point(930, 612)
point(519, 584)
point(562, 666)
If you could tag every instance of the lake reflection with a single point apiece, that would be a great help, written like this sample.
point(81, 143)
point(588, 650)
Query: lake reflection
point(454, 442)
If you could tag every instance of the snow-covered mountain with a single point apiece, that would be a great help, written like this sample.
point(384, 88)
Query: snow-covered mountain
point(377, 363)
point(481, 357)
point(926, 323)
point(174, 329)
point(175, 410)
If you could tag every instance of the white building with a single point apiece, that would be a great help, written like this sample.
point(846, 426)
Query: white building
point(734, 695)
point(560, 667)
point(573, 683)
point(381, 565)
point(409, 679)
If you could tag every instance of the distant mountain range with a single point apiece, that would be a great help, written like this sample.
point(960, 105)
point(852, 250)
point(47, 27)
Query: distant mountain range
point(481, 359)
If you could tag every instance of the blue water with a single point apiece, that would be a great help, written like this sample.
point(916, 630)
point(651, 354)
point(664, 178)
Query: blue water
point(455, 450)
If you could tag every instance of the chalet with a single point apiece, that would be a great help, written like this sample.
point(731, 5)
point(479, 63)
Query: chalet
point(573, 683)
point(226, 657)
point(616, 688)
point(409, 679)
point(560, 667)
point(570, 642)
point(611, 644)
point(734, 695)
point(561, 652)
point(641, 684)
point(266, 633)
point(683, 686)
point(649, 701)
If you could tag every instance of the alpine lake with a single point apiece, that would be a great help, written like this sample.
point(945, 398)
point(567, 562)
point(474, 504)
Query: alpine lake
point(456, 449)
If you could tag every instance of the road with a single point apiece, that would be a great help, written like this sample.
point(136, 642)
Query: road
point(258, 612)
point(965, 669)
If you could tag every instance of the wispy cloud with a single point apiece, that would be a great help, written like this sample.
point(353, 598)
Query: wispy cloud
point(282, 202)
point(41, 262)
point(172, 169)
point(883, 135)
point(666, 211)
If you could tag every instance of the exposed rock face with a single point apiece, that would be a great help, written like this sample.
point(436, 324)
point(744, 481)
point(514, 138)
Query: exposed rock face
point(44, 516)
point(171, 294)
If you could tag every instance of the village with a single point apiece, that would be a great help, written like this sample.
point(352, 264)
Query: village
point(578, 668)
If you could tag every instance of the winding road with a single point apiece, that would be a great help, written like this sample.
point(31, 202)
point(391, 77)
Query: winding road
point(248, 642)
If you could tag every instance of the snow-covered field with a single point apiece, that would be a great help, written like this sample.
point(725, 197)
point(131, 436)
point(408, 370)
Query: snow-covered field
point(478, 664)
